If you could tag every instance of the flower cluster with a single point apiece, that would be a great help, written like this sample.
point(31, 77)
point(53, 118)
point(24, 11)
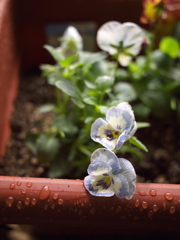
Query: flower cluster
point(108, 174)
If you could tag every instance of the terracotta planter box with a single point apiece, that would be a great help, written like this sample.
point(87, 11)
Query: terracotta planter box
point(65, 205)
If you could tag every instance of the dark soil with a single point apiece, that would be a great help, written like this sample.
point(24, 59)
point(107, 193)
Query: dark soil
point(161, 164)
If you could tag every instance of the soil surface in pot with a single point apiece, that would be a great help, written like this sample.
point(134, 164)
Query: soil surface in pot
point(162, 138)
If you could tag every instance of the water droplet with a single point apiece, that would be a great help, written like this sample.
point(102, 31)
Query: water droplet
point(34, 201)
point(29, 184)
point(12, 186)
point(153, 192)
point(137, 203)
point(92, 210)
point(55, 196)
point(172, 209)
point(164, 204)
point(60, 201)
point(118, 209)
point(169, 196)
point(142, 193)
point(53, 206)
point(150, 214)
point(80, 212)
point(18, 183)
point(19, 205)
point(155, 208)
point(82, 204)
point(23, 191)
point(27, 201)
point(45, 207)
point(10, 201)
point(144, 205)
point(44, 193)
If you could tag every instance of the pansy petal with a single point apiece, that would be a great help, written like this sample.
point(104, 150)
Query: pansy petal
point(124, 59)
point(133, 36)
point(108, 157)
point(126, 106)
point(132, 130)
point(97, 187)
point(120, 186)
point(98, 168)
point(72, 33)
point(128, 171)
point(109, 34)
point(99, 133)
point(119, 118)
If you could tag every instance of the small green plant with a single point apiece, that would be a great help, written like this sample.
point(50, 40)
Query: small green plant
point(133, 66)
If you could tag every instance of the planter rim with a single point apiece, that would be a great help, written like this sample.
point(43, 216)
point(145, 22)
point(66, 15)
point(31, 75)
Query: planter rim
point(63, 202)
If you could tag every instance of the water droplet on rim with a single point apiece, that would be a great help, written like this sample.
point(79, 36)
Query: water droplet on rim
point(155, 208)
point(45, 207)
point(23, 191)
point(27, 201)
point(29, 184)
point(60, 201)
point(44, 193)
point(92, 210)
point(153, 192)
point(53, 206)
point(18, 183)
point(137, 203)
point(118, 209)
point(12, 186)
point(19, 205)
point(142, 193)
point(144, 205)
point(55, 196)
point(169, 196)
point(34, 201)
point(10, 201)
point(172, 209)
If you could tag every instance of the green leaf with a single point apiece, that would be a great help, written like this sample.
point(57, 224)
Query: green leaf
point(68, 61)
point(90, 85)
point(67, 87)
point(90, 100)
point(47, 147)
point(138, 143)
point(170, 46)
point(65, 124)
point(125, 92)
point(89, 58)
point(54, 53)
point(103, 83)
point(78, 102)
point(59, 168)
point(142, 125)
point(47, 69)
point(31, 141)
point(47, 108)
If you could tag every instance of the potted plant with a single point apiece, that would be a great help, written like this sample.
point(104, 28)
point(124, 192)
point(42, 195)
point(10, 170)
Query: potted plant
point(89, 95)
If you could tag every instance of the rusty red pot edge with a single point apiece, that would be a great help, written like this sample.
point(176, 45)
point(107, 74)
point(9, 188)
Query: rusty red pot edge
point(64, 202)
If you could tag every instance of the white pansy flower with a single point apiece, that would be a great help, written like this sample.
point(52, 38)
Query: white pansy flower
point(109, 175)
point(120, 125)
point(71, 42)
point(120, 40)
